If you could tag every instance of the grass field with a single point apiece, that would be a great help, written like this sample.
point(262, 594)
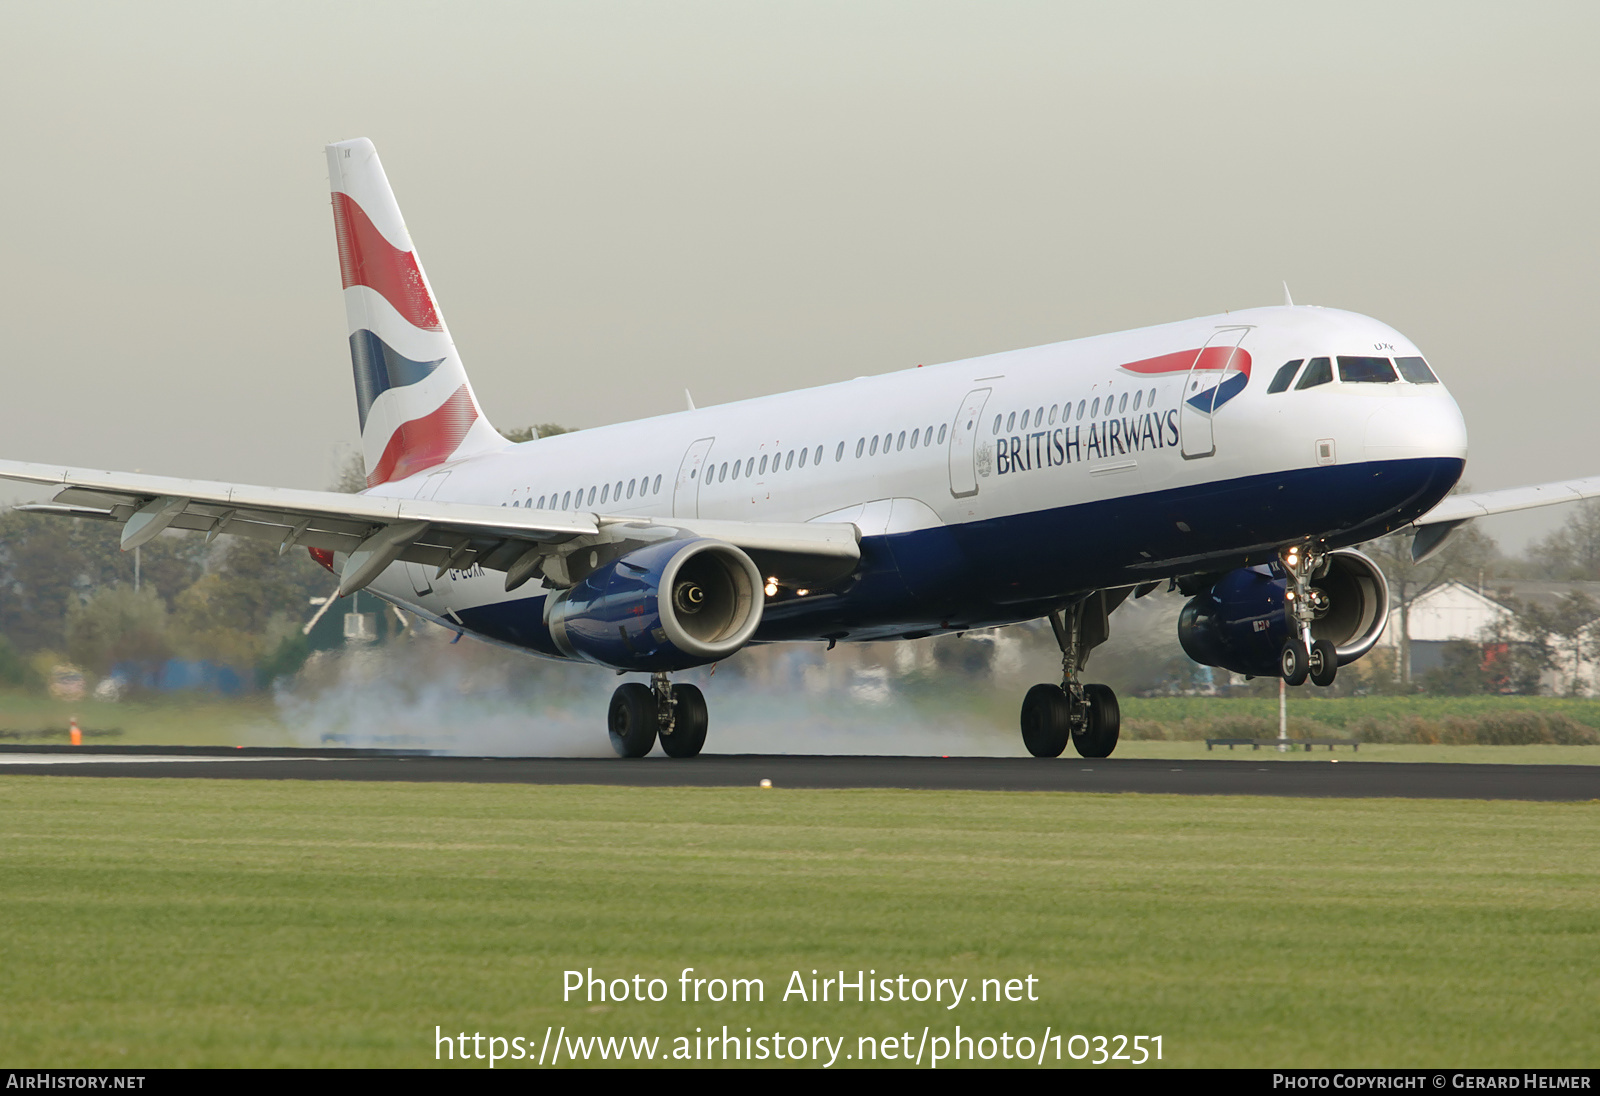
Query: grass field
point(190, 922)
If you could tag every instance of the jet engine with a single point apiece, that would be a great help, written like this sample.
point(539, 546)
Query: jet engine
point(665, 606)
point(1242, 622)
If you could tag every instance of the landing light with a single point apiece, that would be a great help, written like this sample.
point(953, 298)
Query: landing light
point(772, 587)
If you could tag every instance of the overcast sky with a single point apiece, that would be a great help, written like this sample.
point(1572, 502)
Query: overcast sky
point(618, 201)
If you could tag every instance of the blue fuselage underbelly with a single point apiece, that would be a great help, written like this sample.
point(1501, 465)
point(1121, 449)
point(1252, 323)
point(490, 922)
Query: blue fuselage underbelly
point(1019, 567)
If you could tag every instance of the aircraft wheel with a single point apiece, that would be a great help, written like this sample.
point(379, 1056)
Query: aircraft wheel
point(1102, 723)
point(1323, 663)
point(1294, 663)
point(1045, 721)
point(688, 724)
point(632, 720)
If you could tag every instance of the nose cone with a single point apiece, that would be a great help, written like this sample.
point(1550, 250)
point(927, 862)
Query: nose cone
point(1427, 426)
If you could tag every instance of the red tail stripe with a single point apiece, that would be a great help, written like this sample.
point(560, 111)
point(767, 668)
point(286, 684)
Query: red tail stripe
point(425, 442)
point(1212, 357)
point(366, 258)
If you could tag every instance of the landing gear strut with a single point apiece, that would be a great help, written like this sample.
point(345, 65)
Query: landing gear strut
point(1086, 714)
point(640, 714)
point(1304, 656)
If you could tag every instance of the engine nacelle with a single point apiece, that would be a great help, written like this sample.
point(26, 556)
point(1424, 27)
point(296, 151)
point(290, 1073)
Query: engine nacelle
point(1242, 622)
point(666, 606)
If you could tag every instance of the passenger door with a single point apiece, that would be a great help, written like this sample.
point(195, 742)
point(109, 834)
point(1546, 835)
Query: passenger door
point(1197, 432)
point(686, 493)
point(964, 443)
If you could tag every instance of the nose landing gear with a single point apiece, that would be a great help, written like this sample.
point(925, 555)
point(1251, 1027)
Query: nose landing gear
point(1088, 715)
point(1304, 656)
point(641, 714)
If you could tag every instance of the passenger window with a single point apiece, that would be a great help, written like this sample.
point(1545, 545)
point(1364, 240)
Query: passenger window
point(1052, 414)
point(1094, 408)
point(541, 502)
point(1318, 371)
point(658, 482)
point(1011, 422)
point(1024, 424)
point(838, 454)
point(1138, 397)
point(788, 464)
point(916, 436)
point(803, 453)
point(566, 501)
point(605, 494)
point(1080, 409)
point(941, 434)
point(1285, 374)
point(738, 466)
point(927, 436)
point(631, 484)
point(996, 429)
point(1123, 406)
point(617, 494)
point(749, 468)
point(860, 445)
point(1038, 417)
point(1416, 371)
point(1152, 397)
point(1366, 370)
point(591, 496)
point(902, 442)
point(763, 468)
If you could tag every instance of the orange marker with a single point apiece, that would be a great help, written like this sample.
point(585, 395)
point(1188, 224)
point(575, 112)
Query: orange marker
point(77, 735)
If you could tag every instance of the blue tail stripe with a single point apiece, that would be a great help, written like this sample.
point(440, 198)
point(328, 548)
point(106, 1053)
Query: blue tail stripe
point(378, 368)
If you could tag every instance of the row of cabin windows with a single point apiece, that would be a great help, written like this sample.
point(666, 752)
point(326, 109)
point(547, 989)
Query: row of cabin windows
point(1092, 408)
point(870, 447)
point(798, 458)
point(586, 496)
point(775, 462)
point(1354, 369)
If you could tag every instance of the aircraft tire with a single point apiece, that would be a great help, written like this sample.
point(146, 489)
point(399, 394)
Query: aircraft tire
point(689, 723)
point(632, 720)
point(1045, 721)
point(1294, 663)
point(1323, 663)
point(1103, 725)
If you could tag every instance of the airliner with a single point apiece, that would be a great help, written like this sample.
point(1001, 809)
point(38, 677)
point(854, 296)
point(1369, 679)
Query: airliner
point(1239, 459)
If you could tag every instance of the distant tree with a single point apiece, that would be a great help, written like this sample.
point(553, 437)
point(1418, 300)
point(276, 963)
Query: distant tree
point(247, 604)
point(1560, 637)
point(1467, 557)
point(1572, 552)
point(116, 626)
point(48, 564)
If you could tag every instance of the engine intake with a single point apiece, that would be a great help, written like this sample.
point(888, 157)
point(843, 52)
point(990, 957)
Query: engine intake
point(1242, 622)
point(666, 606)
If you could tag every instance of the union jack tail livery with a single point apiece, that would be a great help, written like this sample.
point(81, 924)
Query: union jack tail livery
point(416, 405)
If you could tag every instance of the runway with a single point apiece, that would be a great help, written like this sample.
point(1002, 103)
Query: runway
point(1344, 778)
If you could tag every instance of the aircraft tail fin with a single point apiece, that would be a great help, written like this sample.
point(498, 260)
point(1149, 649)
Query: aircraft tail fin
point(416, 405)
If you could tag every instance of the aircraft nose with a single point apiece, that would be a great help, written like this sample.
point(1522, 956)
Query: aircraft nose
point(1428, 427)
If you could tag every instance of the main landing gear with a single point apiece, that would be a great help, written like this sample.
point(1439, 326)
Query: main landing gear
point(1087, 714)
point(640, 714)
point(1304, 656)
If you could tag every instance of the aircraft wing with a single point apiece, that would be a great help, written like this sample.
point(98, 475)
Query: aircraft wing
point(1437, 524)
point(375, 531)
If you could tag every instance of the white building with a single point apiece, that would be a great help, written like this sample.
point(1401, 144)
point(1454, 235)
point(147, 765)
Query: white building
point(1456, 612)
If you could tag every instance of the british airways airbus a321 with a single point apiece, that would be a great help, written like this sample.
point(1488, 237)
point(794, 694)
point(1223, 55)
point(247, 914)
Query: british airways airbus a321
point(1237, 457)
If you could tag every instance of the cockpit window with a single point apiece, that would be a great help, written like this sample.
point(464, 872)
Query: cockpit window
point(1285, 374)
point(1366, 370)
point(1416, 371)
point(1318, 371)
